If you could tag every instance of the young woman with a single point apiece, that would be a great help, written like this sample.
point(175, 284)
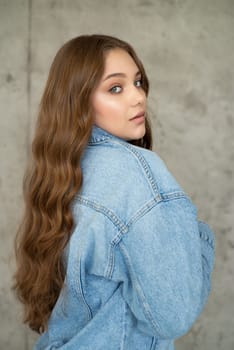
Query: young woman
point(110, 252)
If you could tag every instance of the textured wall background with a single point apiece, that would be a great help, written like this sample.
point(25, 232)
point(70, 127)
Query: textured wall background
point(188, 50)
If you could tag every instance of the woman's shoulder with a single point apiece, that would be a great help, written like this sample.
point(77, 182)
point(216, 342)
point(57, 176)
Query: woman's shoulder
point(122, 178)
point(121, 162)
point(154, 166)
point(117, 157)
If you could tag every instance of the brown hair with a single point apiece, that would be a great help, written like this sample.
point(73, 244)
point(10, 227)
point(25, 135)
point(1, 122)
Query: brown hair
point(63, 129)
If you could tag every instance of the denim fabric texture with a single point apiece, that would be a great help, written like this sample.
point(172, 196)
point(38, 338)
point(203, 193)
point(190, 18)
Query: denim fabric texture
point(139, 262)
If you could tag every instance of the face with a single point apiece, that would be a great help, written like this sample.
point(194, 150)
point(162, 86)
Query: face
point(119, 101)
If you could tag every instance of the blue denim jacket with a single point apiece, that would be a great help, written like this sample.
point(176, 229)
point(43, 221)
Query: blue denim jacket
point(139, 262)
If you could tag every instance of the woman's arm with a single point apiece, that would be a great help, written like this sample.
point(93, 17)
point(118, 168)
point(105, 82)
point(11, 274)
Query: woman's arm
point(165, 263)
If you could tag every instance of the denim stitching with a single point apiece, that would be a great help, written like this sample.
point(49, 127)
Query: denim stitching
point(154, 343)
point(146, 307)
point(144, 165)
point(89, 311)
point(111, 263)
point(101, 209)
point(174, 195)
point(97, 141)
point(141, 159)
point(122, 228)
point(120, 225)
point(100, 139)
point(152, 203)
point(142, 211)
point(206, 238)
point(122, 342)
point(79, 292)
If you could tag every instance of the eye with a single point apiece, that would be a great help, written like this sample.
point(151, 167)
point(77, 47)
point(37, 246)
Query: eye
point(138, 83)
point(116, 89)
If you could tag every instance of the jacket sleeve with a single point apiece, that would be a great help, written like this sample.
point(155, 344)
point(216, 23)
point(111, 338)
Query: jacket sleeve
point(164, 264)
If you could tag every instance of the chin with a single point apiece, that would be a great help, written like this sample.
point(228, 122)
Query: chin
point(138, 135)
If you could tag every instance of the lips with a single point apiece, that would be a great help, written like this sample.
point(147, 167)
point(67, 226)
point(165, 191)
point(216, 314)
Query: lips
point(138, 115)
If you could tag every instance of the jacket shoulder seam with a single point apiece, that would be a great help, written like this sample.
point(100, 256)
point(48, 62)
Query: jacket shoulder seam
point(144, 164)
point(123, 228)
point(120, 225)
point(152, 203)
point(104, 210)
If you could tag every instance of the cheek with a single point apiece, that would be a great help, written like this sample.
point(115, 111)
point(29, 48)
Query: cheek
point(105, 104)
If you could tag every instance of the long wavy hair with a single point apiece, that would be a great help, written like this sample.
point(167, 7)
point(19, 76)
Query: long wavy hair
point(54, 177)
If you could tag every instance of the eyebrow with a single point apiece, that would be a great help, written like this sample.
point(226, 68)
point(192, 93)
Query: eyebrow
point(122, 75)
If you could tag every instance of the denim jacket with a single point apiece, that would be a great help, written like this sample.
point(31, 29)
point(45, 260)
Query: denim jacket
point(138, 263)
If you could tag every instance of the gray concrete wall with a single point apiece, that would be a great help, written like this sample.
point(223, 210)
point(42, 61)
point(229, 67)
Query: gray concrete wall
point(188, 50)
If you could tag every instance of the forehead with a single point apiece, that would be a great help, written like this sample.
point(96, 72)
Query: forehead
point(119, 60)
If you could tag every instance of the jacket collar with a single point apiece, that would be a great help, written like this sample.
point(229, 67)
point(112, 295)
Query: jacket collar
point(100, 135)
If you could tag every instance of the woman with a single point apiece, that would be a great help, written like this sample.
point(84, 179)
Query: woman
point(110, 252)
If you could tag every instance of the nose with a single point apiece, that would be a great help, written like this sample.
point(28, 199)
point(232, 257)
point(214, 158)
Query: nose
point(138, 96)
